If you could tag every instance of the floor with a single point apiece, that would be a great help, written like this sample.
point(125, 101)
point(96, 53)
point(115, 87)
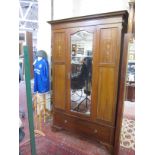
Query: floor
point(127, 144)
point(65, 143)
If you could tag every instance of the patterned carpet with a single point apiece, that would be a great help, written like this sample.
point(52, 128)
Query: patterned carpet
point(127, 144)
point(128, 134)
point(65, 143)
point(48, 146)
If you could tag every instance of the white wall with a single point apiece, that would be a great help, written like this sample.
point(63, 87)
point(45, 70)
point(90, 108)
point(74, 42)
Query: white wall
point(62, 9)
point(44, 30)
point(71, 8)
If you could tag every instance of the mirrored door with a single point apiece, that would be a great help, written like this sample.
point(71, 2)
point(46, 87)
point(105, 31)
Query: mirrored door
point(81, 71)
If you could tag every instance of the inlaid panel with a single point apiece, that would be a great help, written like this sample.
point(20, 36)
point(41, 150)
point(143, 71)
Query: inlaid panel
point(59, 46)
point(107, 49)
point(106, 95)
point(59, 86)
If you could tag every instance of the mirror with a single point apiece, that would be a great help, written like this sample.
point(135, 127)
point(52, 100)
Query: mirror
point(130, 75)
point(81, 71)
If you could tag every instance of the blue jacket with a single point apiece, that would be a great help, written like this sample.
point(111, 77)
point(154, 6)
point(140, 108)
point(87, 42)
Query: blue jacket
point(41, 76)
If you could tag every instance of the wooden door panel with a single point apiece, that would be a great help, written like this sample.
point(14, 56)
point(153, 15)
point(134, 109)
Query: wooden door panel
point(59, 86)
point(106, 94)
point(107, 52)
point(107, 65)
point(59, 46)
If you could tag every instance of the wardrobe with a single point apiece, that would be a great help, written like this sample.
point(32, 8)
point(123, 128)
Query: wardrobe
point(88, 75)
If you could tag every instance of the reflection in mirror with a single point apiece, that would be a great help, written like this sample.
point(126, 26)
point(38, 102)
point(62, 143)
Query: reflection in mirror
point(131, 61)
point(130, 75)
point(81, 71)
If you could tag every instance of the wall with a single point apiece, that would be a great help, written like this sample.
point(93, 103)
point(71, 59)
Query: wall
point(44, 30)
point(71, 8)
point(66, 9)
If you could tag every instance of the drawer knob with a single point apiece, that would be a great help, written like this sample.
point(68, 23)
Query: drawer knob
point(95, 131)
point(65, 121)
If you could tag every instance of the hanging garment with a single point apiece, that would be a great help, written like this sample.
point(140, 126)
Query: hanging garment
point(41, 76)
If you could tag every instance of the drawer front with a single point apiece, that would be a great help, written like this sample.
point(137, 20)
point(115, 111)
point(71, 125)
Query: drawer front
point(85, 128)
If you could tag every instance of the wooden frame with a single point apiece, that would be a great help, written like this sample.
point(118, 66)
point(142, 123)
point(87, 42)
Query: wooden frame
point(121, 95)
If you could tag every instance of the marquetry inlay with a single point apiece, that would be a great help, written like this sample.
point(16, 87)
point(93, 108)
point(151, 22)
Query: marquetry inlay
point(59, 50)
point(107, 46)
point(59, 46)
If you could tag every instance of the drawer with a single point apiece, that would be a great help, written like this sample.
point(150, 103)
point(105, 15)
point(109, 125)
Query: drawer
point(85, 128)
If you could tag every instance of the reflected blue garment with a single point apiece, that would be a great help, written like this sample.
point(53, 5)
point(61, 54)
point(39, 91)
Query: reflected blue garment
point(41, 76)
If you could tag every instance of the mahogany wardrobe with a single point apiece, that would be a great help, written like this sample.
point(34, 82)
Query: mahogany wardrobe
point(88, 75)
